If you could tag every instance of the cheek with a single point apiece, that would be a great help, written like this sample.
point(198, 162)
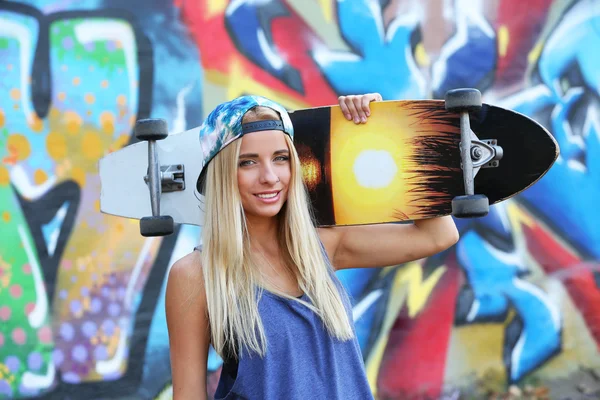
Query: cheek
point(285, 174)
point(244, 180)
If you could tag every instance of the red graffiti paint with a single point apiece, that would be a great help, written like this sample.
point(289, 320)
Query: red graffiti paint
point(414, 360)
point(292, 37)
point(523, 21)
point(561, 263)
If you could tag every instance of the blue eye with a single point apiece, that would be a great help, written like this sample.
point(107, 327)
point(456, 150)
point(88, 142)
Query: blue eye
point(282, 158)
point(245, 163)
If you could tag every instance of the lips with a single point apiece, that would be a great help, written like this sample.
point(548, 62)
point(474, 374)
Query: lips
point(267, 195)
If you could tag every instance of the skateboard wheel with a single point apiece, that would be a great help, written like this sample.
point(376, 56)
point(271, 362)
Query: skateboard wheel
point(156, 226)
point(151, 129)
point(472, 206)
point(458, 100)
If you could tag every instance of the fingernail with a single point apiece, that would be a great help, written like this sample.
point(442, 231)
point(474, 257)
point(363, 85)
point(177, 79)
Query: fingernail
point(357, 120)
point(364, 119)
point(348, 117)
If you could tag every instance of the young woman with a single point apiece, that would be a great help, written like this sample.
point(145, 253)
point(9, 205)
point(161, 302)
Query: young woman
point(262, 290)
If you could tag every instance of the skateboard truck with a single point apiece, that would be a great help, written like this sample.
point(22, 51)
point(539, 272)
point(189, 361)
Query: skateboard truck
point(171, 178)
point(159, 178)
point(474, 153)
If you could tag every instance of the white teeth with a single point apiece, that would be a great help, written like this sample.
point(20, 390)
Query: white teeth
point(267, 196)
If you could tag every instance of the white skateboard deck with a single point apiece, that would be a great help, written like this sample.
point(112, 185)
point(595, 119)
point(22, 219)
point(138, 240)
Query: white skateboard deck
point(124, 192)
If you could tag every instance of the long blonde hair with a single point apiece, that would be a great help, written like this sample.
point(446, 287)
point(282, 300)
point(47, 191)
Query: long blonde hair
point(231, 275)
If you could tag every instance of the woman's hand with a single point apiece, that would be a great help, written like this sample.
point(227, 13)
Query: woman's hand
point(356, 108)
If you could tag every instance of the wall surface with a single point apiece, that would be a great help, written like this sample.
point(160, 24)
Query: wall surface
point(515, 305)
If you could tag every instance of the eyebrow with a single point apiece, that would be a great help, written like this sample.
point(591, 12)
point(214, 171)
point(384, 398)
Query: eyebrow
point(254, 155)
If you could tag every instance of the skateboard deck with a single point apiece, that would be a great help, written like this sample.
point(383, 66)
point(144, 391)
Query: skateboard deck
point(403, 164)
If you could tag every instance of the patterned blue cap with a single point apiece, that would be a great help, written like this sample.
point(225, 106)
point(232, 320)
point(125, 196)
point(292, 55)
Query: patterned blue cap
point(224, 125)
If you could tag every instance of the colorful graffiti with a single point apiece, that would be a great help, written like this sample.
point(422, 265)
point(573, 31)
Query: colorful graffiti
point(513, 307)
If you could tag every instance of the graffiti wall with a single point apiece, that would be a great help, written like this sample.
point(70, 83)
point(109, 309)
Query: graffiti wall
point(513, 307)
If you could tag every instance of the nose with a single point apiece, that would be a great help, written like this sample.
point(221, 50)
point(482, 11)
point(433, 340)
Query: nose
point(268, 175)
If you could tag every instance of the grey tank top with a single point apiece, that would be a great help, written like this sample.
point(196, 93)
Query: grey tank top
point(302, 360)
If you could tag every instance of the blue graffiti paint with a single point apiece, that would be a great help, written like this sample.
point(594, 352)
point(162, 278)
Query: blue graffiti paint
point(52, 229)
point(493, 278)
point(368, 302)
point(468, 58)
point(379, 61)
point(574, 122)
point(248, 23)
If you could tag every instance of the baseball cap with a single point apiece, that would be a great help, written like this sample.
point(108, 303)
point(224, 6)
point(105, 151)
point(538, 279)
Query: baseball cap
point(224, 125)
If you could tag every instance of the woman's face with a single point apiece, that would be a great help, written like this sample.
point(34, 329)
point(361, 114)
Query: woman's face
point(264, 172)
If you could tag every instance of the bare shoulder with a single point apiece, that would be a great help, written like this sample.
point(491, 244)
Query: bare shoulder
point(188, 267)
point(185, 280)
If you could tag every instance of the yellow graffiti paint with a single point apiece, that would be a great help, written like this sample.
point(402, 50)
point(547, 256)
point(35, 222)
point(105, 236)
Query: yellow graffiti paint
point(119, 143)
point(418, 290)
point(4, 176)
point(104, 84)
point(6, 216)
point(15, 94)
point(35, 123)
point(89, 98)
point(215, 8)
point(62, 96)
point(76, 81)
point(166, 393)
point(56, 145)
point(113, 341)
point(121, 100)
point(2, 118)
point(78, 176)
point(237, 83)
point(477, 349)
point(535, 53)
point(40, 176)
point(421, 55)
point(327, 7)
point(503, 40)
point(73, 121)
point(518, 216)
point(107, 121)
point(19, 146)
point(91, 146)
point(6, 374)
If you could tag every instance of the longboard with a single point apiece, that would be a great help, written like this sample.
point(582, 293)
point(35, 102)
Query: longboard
point(404, 164)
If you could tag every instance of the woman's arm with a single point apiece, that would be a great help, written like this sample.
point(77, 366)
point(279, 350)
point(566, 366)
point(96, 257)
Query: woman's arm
point(189, 331)
point(383, 245)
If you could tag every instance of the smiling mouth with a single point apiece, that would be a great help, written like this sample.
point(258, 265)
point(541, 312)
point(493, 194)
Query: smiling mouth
point(267, 195)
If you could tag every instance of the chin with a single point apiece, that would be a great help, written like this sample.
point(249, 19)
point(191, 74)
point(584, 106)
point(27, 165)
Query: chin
point(267, 213)
point(263, 211)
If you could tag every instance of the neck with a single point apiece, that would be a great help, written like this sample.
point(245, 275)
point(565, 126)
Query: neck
point(263, 234)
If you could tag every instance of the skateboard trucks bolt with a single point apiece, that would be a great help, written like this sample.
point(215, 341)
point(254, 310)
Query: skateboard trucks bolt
point(476, 153)
point(172, 178)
